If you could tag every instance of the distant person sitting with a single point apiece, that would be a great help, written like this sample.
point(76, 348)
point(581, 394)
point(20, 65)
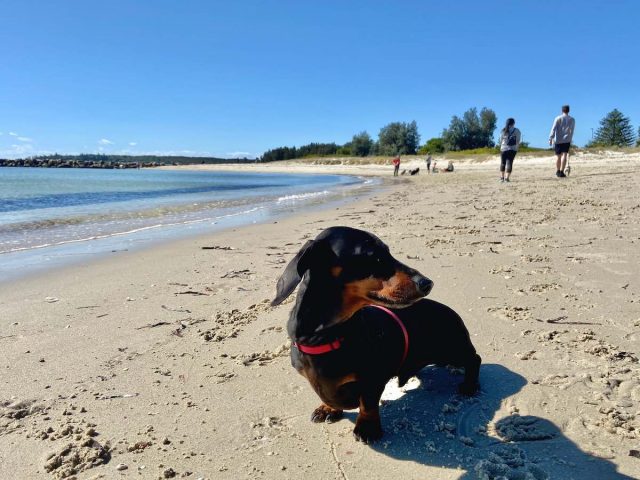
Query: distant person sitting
point(434, 169)
point(396, 166)
point(450, 166)
point(561, 134)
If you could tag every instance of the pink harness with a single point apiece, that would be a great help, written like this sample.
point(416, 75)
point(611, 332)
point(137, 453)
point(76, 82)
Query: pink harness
point(337, 343)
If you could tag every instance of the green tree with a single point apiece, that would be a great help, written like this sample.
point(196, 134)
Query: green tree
point(345, 150)
point(399, 138)
point(433, 145)
point(615, 130)
point(470, 131)
point(488, 121)
point(361, 144)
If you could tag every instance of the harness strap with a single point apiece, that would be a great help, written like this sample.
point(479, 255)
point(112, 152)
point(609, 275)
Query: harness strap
point(337, 343)
point(402, 327)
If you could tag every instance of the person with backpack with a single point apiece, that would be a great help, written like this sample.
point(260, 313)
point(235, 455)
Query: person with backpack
point(509, 142)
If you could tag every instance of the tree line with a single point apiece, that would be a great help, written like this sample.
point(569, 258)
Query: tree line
point(472, 130)
point(396, 138)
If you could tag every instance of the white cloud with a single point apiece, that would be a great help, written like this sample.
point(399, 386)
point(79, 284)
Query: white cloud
point(17, 151)
point(238, 154)
point(13, 134)
point(105, 141)
point(25, 139)
point(133, 144)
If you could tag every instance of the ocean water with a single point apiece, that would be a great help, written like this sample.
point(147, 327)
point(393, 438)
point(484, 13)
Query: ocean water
point(55, 216)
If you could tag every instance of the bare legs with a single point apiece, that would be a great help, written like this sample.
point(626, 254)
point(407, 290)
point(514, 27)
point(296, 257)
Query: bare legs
point(561, 162)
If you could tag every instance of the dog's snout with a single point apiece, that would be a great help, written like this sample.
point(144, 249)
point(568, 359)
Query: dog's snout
point(423, 283)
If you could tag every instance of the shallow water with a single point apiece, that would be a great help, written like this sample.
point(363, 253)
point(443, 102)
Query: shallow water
point(48, 216)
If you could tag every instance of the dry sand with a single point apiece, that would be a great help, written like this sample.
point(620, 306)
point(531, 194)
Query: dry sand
point(170, 362)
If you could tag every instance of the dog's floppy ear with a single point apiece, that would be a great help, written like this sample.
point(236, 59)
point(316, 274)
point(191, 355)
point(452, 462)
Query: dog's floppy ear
point(294, 272)
point(292, 275)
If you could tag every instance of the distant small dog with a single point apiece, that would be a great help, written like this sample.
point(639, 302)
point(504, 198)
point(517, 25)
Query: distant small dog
point(360, 319)
point(415, 171)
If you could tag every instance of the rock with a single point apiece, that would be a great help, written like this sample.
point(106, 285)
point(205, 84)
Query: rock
point(122, 466)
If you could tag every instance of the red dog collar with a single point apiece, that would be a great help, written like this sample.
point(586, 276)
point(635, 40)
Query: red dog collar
point(319, 349)
point(336, 344)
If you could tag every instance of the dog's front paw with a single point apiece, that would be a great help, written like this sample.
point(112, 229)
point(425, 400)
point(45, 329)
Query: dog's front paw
point(468, 389)
point(325, 413)
point(368, 431)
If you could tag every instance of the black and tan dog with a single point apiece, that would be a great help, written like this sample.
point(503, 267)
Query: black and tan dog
point(360, 319)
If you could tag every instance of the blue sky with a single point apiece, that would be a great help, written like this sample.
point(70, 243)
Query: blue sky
point(229, 78)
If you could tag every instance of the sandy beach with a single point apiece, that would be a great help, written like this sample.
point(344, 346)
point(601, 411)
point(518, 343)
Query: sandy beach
point(170, 363)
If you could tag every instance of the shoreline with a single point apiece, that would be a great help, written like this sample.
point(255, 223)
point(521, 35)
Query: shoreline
point(172, 357)
point(33, 260)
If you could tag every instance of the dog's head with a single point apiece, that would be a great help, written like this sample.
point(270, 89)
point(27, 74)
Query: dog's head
point(358, 266)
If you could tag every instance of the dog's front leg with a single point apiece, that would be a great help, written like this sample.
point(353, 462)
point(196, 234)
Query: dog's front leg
point(470, 384)
point(368, 428)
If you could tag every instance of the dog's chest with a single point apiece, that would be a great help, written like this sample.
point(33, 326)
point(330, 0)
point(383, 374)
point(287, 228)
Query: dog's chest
point(363, 343)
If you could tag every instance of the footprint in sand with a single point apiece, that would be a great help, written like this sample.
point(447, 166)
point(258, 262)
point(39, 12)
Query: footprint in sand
point(509, 463)
point(544, 287)
point(77, 456)
point(13, 413)
point(511, 313)
point(267, 356)
point(228, 324)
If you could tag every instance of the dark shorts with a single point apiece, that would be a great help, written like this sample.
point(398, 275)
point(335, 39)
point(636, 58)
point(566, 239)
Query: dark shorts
point(562, 148)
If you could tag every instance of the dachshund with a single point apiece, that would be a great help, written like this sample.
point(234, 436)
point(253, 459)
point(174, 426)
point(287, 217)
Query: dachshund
point(360, 318)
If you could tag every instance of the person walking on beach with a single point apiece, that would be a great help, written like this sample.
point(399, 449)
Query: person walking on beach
point(428, 160)
point(561, 134)
point(509, 142)
point(396, 165)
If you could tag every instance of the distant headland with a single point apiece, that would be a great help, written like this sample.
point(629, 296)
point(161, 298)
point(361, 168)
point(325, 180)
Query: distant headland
point(89, 160)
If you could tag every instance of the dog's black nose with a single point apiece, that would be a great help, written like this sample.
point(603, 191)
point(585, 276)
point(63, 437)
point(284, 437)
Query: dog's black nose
point(424, 284)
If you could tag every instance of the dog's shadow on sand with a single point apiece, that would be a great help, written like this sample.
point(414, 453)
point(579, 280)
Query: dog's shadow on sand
point(431, 425)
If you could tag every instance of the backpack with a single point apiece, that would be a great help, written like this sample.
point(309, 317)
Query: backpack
point(512, 140)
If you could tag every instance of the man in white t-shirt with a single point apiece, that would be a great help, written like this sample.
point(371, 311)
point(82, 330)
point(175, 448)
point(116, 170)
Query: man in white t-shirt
point(561, 134)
